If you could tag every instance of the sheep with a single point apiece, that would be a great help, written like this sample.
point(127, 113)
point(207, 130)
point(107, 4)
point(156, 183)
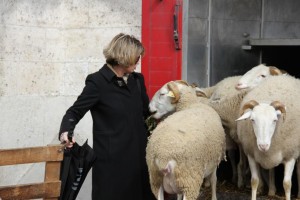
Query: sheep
point(250, 80)
point(256, 75)
point(186, 146)
point(221, 91)
point(225, 99)
point(267, 139)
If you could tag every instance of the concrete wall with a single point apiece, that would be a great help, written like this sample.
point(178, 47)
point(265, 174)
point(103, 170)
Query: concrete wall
point(47, 48)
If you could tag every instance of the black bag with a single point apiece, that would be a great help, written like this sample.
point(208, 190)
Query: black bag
point(76, 164)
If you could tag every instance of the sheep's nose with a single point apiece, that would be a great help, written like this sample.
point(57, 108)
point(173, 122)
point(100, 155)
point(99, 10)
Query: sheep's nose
point(152, 112)
point(264, 147)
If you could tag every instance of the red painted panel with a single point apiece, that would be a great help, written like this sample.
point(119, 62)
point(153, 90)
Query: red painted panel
point(160, 78)
point(158, 6)
point(162, 20)
point(162, 50)
point(161, 35)
point(162, 62)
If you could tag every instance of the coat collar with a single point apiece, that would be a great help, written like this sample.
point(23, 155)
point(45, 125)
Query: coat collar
point(109, 75)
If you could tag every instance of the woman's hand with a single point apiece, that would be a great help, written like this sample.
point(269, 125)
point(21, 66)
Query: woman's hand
point(64, 139)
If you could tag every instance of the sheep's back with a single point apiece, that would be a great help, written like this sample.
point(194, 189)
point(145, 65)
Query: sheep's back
point(226, 88)
point(189, 135)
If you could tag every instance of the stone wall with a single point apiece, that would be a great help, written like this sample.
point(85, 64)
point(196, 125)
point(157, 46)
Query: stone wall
point(47, 48)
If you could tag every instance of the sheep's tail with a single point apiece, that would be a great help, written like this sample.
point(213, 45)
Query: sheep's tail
point(165, 167)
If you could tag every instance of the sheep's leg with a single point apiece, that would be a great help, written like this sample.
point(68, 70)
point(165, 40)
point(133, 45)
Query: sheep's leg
point(272, 187)
point(254, 176)
point(213, 183)
point(179, 196)
point(160, 195)
point(231, 156)
point(298, 177)
point(287, 182)
point(241, 168)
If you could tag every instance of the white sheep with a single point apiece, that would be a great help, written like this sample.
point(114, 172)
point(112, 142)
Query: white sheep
point(256, 75)
point(185, 147)
point(225, 99)
point(266, 138)
point(250, 80)
point(221, 92)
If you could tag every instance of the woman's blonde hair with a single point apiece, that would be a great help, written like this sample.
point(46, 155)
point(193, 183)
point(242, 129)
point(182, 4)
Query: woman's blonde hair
point(123, 50)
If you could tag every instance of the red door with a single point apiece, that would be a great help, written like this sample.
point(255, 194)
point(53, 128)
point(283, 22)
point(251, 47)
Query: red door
point(161, 36)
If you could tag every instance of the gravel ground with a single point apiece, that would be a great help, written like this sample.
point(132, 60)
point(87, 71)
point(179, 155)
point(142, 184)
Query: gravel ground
point(228, 191)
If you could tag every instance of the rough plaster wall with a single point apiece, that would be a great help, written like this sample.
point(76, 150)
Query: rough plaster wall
point(47, 48)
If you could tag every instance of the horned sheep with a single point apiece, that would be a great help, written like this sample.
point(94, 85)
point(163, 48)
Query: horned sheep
point(256, 75)
point(226, 98)
point(250, 80)
point(186, 146)
point(271, 136)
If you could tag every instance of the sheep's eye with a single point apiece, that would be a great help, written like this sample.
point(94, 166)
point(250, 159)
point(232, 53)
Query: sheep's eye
point(264, 76)
point(252, 120)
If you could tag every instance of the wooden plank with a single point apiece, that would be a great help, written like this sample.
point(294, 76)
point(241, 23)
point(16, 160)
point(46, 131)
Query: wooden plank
point(52, 171)
point(31, 191)
point(31, 155)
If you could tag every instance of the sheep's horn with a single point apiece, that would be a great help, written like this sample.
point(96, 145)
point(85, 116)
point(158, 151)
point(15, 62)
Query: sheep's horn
point(182, 82)
point(173, 88)
point(249, 105)
point(200, 93)
point(193, 85)
point(275, 71)
point(283, 71)
point(279, 106)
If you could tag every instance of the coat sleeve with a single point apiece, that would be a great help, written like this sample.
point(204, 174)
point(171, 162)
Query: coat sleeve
point(85, 101)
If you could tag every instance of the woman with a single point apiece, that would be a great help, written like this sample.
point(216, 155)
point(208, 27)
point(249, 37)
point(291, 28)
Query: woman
point(117, 99)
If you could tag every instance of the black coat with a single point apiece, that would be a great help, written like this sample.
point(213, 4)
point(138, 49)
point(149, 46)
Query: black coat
point(119, 134)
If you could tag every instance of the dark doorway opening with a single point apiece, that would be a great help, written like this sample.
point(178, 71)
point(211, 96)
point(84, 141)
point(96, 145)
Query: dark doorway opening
point(283, 57)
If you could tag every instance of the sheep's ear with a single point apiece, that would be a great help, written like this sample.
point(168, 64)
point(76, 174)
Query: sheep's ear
point(245, 115)
point(280, 114)
point(171, 94)
point(200, 93)
point(280, 109)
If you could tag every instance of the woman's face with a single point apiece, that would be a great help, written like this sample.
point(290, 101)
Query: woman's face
point(131, 68)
